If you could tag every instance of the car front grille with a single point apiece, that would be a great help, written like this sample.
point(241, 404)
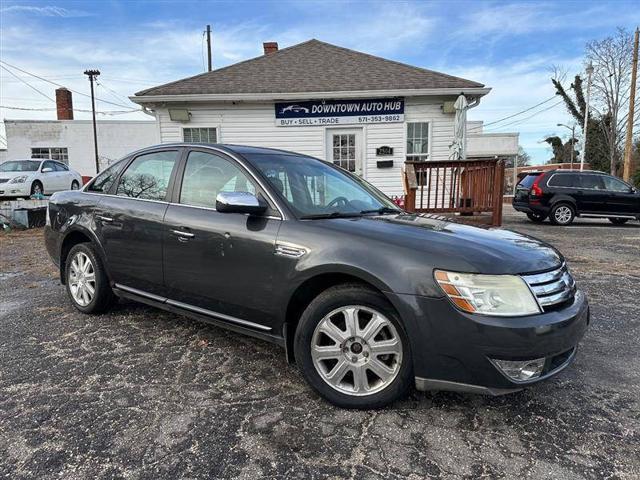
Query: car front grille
point(552, 288)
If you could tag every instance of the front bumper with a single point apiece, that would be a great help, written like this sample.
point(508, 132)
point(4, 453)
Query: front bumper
point(453, 350)
point(15, 189)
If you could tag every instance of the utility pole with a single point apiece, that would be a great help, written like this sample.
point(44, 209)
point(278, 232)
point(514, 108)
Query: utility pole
point(573, 137)
point(92, 74)
point(589, 71)
point(628, 146)
point(209, 46)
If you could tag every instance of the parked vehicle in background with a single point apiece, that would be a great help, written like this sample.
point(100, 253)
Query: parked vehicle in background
point(23, 178)
point(365, 298)
point(562, 195)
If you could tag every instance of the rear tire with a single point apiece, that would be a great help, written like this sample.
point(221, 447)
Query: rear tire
point(536, 217)
point(562, 214)
point(36, 188)
point(352, 349)
point(86, 280)
point(75, 185)
point(618, 221)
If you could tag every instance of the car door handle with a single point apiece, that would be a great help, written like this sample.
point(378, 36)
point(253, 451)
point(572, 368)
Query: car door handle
point(183, 234)
point(104, 219)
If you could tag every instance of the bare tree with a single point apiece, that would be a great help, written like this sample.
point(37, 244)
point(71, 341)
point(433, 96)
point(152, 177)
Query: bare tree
point(611, 58)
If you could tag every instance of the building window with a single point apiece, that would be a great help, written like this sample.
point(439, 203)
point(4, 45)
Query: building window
point(344, 151)
point(51, 153)
point(417, 141)
point(200, 135)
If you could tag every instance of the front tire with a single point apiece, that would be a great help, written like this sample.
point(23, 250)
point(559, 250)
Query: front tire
point(536, 217)
point(352, 348)
point(36, 188)
point(87, 283)
point(562, 214)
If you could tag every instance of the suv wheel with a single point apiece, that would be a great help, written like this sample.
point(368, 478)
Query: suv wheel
point(352, 348)
point(562, 214)
point(618, 221)
point(536, 217)
point(87, 284)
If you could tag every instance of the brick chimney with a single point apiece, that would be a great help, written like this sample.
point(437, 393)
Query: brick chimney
point(64, 104)
point(270, 47)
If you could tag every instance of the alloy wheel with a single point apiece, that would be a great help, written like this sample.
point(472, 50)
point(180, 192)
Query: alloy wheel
point(563, 214)
point(82, 279)
point(356, 350)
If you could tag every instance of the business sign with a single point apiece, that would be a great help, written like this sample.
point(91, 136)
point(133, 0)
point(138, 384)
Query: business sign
point(339, 112)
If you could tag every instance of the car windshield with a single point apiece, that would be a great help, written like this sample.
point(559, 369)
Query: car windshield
point(20, 166)
point(315, 189)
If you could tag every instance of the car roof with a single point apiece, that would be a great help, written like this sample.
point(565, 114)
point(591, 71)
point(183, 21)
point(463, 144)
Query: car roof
point(228, 147)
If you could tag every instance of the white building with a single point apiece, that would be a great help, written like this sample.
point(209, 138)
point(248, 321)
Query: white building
point(365, 113)
point(71, 141)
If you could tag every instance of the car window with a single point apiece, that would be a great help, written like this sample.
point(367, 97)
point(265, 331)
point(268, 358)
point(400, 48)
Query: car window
point(527, 180)
point(564, 180)
point(312, 187)
point(61, 167)
point(206, 175)
point(105, 180)
point(612, 184)
point(20, 166)
point(147, 177)
point(593, 182)
point(51, 165)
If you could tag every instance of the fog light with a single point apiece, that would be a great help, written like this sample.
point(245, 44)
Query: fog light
point(520, 370)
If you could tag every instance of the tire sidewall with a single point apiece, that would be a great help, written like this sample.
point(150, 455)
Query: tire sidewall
point(33, 187)
point(76, 184)
point(101, 280)
point(552, 214)
point(328, 301)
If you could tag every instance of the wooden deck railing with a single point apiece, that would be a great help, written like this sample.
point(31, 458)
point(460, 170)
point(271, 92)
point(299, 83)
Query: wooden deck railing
point(460, 186)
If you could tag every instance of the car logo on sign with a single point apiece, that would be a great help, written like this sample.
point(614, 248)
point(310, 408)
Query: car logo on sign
point(295, 108)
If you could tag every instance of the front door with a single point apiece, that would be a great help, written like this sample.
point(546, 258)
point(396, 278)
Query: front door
point(621, 198)
point(129, 221)
point(344, 148)
point(219, 264)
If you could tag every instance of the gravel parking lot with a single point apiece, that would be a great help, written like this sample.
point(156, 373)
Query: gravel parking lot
point(140, 393)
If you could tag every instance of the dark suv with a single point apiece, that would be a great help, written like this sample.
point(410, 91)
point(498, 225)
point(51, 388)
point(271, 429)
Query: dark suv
point(562, 195)
point(365, 298)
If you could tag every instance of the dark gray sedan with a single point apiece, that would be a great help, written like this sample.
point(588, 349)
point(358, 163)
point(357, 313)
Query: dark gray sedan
point(366, 299)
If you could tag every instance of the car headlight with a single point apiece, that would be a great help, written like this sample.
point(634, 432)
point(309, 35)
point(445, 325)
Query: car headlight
point(500, 295)
point(20, 179)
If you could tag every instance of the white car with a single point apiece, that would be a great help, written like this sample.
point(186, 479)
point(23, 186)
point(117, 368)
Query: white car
point(23, 178)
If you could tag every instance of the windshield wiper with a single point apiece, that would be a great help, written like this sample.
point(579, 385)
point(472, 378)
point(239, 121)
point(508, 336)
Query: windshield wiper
point(331, 215)
point(382, 210)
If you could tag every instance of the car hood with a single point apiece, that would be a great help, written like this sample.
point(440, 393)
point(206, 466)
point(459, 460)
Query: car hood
point(11, 175)
point(448, 245)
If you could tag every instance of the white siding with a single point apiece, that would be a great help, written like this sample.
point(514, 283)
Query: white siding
point(254, 124)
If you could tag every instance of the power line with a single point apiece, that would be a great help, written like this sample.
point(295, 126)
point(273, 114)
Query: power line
point(113, 93)
point(527, 118)
point(59, 85)
point(27, 84)
point(108, 112)
point(512, 115)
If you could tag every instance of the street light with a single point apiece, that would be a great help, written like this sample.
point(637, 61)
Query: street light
point(573, 136)
point(589, 71)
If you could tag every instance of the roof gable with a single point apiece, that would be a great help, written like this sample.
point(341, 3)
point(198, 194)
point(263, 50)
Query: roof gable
point(312, 66)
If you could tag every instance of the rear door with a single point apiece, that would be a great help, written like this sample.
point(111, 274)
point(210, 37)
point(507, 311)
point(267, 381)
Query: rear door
point(129, 221)
point(51, 180)
point(621, 198)
point(592, 194)
point(219, 263)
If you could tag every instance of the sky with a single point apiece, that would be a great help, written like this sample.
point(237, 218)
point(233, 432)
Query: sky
point(508, 46)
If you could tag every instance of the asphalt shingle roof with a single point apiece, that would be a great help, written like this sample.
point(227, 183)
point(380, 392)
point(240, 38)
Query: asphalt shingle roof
point(312, 66)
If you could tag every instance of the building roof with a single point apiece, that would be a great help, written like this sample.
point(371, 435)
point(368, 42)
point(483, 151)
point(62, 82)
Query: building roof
point(312, 66)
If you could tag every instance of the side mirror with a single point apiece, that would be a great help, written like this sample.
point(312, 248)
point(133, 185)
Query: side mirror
point(47, 170)
point(239, 202)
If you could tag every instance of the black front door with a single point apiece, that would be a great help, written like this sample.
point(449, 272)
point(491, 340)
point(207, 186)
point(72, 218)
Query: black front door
point(219, 264)
point(129, 222)
point(621, 198)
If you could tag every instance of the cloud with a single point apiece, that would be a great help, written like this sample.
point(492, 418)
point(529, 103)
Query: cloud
point(48, 11)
